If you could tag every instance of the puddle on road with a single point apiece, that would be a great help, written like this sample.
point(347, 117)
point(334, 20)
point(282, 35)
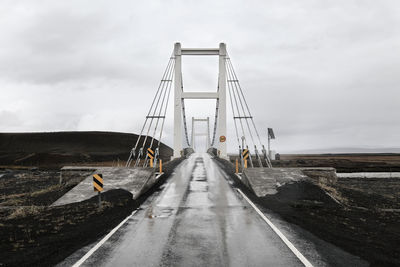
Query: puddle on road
point(198, 181)
point(159, 212)
point(197, 186)
point(165, 212)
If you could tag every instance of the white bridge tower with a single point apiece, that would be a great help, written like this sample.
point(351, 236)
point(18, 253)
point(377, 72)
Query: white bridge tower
point(219, 95)
point(204, 133)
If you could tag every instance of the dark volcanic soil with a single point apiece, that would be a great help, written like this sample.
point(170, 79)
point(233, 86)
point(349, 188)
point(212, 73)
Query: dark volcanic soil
point(32, 187)
point(60, 148)
point(34, 234)
point(365, 223)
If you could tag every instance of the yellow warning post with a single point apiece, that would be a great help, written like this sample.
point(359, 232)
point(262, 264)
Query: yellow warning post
point(98, 182)
point(237, 166)
point(98, 185)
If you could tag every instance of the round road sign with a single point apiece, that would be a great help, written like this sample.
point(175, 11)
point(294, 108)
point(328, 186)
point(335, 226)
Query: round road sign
point(222, 138)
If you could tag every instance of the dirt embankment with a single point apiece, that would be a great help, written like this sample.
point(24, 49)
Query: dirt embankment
point(35, 234)
point(365, 223)
point(54, 149)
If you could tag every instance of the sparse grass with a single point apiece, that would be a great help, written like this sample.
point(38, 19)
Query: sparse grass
point(38, 187)
point(46, 190)
point(22, 212)
point(334, 193)
point(16, 167)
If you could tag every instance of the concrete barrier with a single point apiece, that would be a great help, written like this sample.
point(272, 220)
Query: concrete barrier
point(265, 181)
point(187, 152)
point(135, 180)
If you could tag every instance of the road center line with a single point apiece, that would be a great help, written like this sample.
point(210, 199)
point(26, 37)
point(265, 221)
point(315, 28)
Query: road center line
point(98, 245)
point(278, 232)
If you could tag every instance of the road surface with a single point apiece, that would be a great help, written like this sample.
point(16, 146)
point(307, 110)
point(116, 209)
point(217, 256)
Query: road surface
point(197, 220)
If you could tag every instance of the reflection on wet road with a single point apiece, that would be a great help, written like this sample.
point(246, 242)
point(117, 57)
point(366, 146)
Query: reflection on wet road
point(197, 220)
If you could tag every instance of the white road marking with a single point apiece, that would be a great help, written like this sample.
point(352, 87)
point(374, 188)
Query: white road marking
point(159, 175)
point(98, 245)
point(240, 178)
point(278, 232)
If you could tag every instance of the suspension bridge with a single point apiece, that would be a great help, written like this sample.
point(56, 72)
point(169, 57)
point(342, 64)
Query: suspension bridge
point(199, 218)
point(246, 133)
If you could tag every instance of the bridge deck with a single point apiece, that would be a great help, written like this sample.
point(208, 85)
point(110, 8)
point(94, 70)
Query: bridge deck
point(197, 220)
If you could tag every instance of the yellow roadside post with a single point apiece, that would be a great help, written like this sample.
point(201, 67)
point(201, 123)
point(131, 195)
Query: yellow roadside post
point(98, 185)
point(150, 154)
point(237, 166)
point(245, 155)
point(160, 166)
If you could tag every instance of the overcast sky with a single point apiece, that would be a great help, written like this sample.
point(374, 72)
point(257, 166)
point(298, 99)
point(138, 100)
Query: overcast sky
point(323, 74)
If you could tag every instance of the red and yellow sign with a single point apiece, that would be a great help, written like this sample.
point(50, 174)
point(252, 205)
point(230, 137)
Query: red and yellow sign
point(222, 138)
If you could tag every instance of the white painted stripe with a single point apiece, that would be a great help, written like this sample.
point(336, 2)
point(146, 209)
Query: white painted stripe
point(159, 175)
point(278, 232)
point(98, 245)
point(240, 177)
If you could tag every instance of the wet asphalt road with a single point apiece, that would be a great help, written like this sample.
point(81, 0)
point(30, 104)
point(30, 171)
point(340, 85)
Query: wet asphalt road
point(197, 220)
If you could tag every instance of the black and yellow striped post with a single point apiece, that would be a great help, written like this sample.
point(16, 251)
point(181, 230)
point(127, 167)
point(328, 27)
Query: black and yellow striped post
point(150, 154)
point(245, 155)
point(98, 185)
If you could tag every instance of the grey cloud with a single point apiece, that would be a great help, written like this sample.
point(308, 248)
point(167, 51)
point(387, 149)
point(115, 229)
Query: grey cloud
point(322, 73)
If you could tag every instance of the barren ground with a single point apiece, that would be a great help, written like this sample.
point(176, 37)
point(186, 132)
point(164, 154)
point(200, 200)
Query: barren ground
point(34, 234)
point(367, 220)
point(365, 223)
point(382, 162)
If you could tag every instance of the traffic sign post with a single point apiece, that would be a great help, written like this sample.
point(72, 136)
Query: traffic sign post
point(98, 185)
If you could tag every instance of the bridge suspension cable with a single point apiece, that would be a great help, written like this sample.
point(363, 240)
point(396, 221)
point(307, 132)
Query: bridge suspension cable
point(241, 111)
point(215, 119)
point(155, 114)
point(184, 117)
